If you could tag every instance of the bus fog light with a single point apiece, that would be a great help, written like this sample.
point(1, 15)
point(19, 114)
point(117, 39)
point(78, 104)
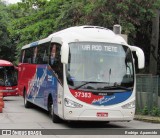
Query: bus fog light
point(129, 105)
point(70, 103)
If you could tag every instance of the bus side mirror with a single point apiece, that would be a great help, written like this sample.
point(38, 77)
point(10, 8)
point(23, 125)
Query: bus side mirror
point(64, 53)
point(140, 56)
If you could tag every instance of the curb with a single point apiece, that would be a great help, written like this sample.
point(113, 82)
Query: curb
point(150, 119)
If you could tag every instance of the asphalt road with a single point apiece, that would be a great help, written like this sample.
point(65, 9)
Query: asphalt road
point(15, 116)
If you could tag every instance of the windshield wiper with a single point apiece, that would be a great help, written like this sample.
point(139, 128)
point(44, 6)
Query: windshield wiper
point(115, 87)
point(85, 84)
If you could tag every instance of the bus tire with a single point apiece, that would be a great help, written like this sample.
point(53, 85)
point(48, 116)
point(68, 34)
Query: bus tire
point(26, 103)
point(53, 116)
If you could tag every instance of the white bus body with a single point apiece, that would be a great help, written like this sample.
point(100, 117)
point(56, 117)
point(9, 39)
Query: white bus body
point(99, 82)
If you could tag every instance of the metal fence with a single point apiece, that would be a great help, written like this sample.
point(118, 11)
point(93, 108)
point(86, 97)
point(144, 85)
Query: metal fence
point(148, 90)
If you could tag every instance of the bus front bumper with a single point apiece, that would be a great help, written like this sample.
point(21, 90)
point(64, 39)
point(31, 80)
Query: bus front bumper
point(13, 92)
point(100, 115)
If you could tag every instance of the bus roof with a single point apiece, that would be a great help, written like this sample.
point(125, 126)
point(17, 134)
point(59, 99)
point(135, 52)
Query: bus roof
point(81, 33)
point(88, 33)
point(5, 63)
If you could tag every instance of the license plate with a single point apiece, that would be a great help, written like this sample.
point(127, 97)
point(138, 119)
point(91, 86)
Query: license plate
point(102, 114)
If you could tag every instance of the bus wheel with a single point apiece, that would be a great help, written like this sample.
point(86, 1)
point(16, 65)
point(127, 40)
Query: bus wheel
point(54, 117)
point(26, 103)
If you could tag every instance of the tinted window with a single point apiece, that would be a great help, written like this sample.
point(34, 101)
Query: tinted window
point(43, 53)
point(27, 55)
point(36, 55)
point(55, 60)
point(8, 76)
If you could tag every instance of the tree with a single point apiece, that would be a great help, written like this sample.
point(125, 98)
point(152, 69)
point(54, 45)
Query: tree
point(5, 42)
point(154, 44)
point(32, 20)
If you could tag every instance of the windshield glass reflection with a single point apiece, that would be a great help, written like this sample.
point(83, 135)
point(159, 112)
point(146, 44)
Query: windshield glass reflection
point(99, 66)
point(8, 76)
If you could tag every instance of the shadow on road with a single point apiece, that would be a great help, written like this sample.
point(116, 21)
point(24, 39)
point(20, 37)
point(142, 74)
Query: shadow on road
point(89, 124)
point(80, 124)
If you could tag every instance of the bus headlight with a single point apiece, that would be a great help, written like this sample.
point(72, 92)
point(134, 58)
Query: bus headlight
point(129, 105)
point(70, 103)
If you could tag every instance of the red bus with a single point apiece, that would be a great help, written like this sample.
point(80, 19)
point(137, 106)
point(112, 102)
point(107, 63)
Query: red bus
point(8, 78)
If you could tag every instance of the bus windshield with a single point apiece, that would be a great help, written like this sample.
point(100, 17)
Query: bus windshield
point(8, 76)
point(99, 66)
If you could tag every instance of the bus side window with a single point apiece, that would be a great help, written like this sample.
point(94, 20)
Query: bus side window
point(34, 59)
point(28, 55)
point(43, 54)
point(53, 54)
point(22, 56)
point(55, 60)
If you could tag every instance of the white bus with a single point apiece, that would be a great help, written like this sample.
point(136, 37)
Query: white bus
point(83, 73)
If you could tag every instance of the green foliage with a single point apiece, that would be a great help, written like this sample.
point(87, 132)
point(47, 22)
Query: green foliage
point(5, 42)
point(145, 111)
point(31, 20)
point(155, 111)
